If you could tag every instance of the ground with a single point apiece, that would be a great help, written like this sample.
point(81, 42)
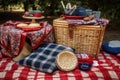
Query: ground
point(111, 32)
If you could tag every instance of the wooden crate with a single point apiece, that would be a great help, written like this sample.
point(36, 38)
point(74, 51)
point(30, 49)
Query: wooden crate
point(84, 38)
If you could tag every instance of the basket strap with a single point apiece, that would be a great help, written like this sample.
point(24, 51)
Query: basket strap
point(71, 31)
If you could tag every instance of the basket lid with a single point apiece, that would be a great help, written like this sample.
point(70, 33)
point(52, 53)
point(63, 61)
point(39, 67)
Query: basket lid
point(66, 61)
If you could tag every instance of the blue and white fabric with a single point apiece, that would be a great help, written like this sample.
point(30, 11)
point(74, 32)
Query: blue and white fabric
point(112, 47)
point(43, 59)
point(114, 43)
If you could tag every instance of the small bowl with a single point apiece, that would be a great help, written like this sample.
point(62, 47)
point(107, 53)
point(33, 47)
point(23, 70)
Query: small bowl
point(66, 61)
point(37, 14)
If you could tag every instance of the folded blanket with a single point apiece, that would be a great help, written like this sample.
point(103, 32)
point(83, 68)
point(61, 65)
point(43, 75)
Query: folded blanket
point(95, 21)
point(43, 59)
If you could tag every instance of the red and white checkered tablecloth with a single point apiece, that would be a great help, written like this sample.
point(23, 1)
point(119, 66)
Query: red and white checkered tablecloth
point(108, 69)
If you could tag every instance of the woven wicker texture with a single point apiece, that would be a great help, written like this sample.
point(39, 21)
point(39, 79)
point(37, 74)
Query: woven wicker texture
point(84, 38)
point(66, 61)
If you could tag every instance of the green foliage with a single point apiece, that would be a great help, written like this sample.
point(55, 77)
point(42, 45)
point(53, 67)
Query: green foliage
point(110, 9)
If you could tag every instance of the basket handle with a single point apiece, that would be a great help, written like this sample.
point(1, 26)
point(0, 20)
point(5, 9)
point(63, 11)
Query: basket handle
point(62, 16)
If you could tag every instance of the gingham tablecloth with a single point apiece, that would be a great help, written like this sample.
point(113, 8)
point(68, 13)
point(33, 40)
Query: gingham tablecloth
point(108, 69)
point(12, 39)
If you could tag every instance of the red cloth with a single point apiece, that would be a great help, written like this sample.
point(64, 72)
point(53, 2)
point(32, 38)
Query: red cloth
point(85, 58)
point(94, 21)
point(12, 39)
point(108, 69)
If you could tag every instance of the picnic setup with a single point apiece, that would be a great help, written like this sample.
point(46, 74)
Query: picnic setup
point(71, 48)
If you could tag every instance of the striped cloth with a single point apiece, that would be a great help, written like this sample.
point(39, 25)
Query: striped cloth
point(95, 21)
point(108, 69)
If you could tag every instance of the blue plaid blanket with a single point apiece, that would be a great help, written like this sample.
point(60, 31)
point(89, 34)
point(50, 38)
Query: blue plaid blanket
point(43, 59)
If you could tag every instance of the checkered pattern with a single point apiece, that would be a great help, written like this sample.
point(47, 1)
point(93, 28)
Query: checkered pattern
point(43, 58)
point(108, 69)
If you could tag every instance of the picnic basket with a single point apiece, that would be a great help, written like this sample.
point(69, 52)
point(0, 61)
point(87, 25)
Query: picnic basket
point(84, 38)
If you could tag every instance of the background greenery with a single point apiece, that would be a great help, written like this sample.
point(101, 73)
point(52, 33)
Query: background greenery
point(110, 9)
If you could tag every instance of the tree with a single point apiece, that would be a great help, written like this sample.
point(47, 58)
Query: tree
point(54, 7)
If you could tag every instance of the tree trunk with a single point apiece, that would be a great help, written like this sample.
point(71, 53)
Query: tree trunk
point(26, 5)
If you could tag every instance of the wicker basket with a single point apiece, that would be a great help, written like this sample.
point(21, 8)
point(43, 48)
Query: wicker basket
point(84, 38)
point(66, 61)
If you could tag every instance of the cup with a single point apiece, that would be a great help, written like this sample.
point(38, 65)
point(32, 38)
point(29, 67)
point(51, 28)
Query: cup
point(37, 14)
point(88, 12)
point(81, 11)
point(97, 14)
